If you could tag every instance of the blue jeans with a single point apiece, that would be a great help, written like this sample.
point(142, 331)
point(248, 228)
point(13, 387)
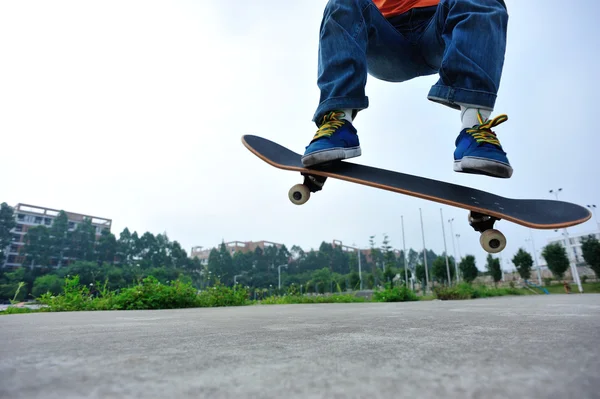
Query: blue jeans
point(462, 40)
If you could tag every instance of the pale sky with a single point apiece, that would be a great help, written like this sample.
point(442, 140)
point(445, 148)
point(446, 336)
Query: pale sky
point(134, 110)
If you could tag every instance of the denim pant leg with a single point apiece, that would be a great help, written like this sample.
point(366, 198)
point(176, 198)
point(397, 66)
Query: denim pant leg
point(466, 43)
point(355, 39)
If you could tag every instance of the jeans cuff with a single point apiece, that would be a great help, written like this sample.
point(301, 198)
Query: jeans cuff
point(453, 97)
point(340, 103)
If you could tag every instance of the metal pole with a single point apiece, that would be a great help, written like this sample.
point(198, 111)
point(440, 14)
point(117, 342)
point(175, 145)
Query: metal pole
point(445, 250)
point(593, 208)
point(404, 253)
point(458, 243)
point(574, 271)
point(454, 251)
point(539, 273)
point(573, 265)
point(360, 269)
point(279, 274)
point(424, 252)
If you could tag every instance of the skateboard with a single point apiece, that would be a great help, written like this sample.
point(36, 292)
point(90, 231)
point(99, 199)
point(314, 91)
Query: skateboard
point(484, 208)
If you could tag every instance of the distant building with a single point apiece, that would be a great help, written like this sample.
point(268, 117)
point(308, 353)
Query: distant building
point(367, 253)
point(573, 245)
point(27, 216)
point(232, 248)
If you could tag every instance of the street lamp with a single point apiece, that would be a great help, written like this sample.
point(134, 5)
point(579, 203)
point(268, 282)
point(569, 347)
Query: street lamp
point(235, 278)
point(359, 263)
point(279, 274)
point(424, 251)
point(454, 250)
point(574, 271)
point(593, 208)
point(458, 243)
point(404, 253)
point(445, 249)
point(539, 273)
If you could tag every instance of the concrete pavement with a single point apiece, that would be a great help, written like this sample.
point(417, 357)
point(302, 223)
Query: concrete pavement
point(519, 347)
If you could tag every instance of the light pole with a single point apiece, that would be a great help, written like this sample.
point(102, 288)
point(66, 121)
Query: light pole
point(539, 273)
point(424, 252)
point(359, 262)
point(445, 249)
point(279, 274)
point(454, 250)
point(574, 271)
point(235, 278)
point(593, 208)
point(404, 253)
point(458, 243)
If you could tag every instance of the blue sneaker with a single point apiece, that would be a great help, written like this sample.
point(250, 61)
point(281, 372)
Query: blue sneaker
point(336, 139)
point(478, 151)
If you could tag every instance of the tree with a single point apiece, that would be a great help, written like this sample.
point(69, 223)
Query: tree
point(389, 258)
point(220, 264)
point(82, 241)
point(420, 274)
point(107, 247)
point(468, 268)
point(47, 283)
point(7, 223)
point(37, 248)
point(556, 258)
point(439, 271)
point(59, 236)
point(590, 246)
point(523, 262)
point(493, 267)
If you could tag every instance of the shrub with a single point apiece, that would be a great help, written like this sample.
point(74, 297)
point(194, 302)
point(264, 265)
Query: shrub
point(151, 294)
point(396, 294)
point(220, 295)
point(467, 291)
point(298, 299)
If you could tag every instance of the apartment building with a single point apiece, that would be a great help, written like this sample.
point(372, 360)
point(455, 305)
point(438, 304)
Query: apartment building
point(28, 216)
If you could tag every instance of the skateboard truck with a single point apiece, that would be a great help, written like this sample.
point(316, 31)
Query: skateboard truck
point(300, 193)
point(491, 240)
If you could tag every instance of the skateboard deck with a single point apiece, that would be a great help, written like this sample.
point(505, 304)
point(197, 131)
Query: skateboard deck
point(485, 208)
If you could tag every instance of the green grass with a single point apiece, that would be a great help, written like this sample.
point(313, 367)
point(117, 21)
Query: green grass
point(468, 291)
point(151, 294)
point(588, 288)
point(395, 294)
point(298, 299)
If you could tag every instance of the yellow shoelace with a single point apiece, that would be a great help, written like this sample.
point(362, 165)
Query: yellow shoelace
point(331, 122)
point(483, 132)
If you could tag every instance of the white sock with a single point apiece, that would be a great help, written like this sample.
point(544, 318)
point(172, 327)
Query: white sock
point(468, 116)
point(347, 114)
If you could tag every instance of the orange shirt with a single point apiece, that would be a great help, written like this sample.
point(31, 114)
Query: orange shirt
point(394, 7)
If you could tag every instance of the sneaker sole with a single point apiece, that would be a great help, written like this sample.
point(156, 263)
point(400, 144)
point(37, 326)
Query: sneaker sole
point(483, 166)
point(330, 155)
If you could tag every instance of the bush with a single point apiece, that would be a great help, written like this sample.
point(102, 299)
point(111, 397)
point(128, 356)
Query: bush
point(299, 299)
point(461, 291)
point(467, 291)
point(151, 294)
point(220, 295)
point(73, 297)
point(148, 294)
point(396, 294)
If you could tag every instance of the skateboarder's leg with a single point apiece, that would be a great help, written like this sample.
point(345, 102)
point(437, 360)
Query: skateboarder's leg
point(354, 39)
point(466, 43)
